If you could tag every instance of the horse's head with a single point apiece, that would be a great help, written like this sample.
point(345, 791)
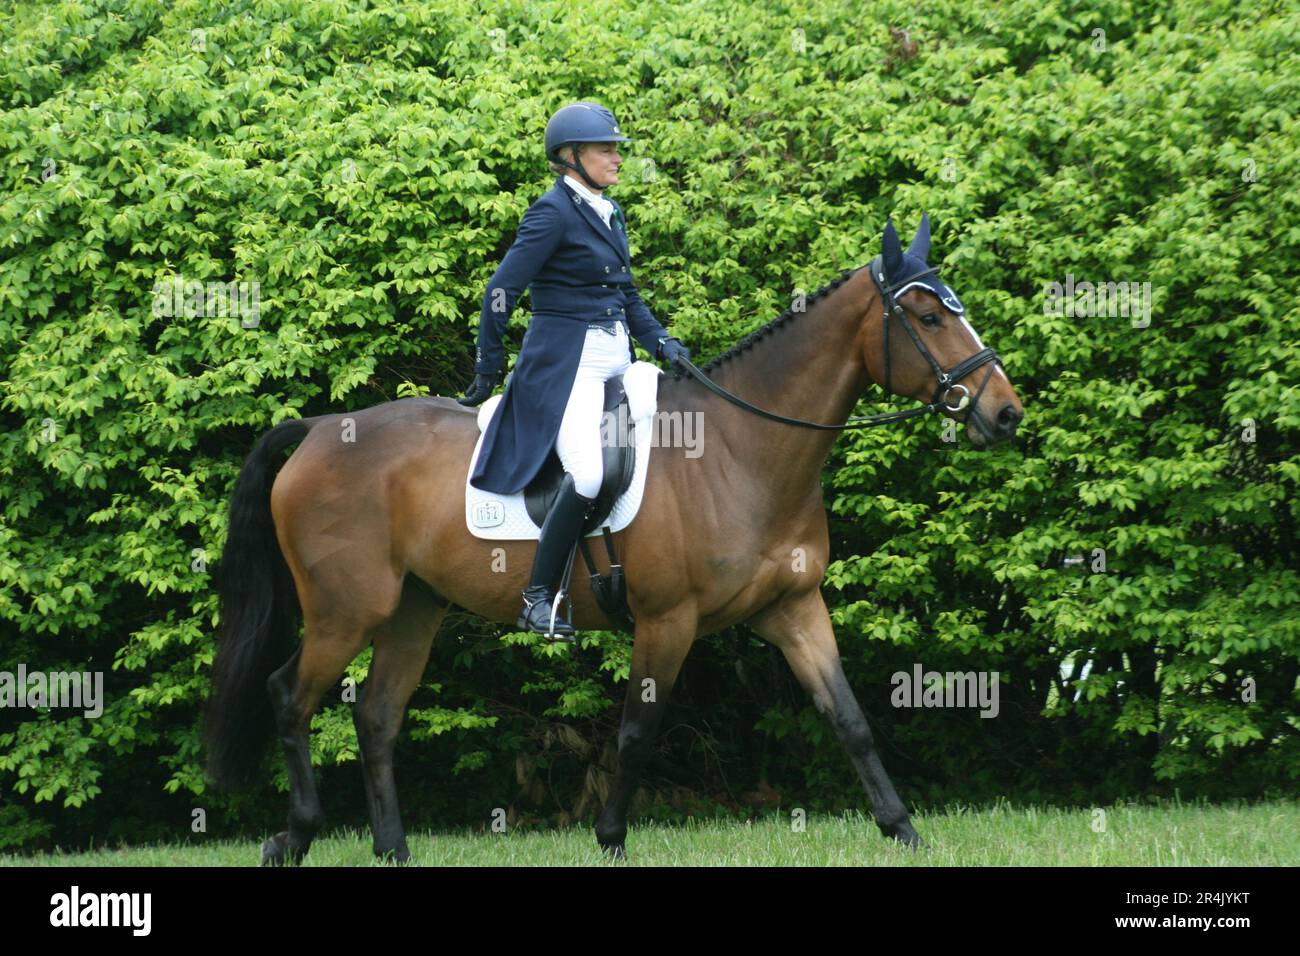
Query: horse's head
point(925, 347)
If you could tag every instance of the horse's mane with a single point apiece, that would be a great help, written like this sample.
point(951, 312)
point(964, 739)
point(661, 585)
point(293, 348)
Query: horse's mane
point(781, 320)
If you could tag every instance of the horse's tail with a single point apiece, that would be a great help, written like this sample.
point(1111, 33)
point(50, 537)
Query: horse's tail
point(259, 617)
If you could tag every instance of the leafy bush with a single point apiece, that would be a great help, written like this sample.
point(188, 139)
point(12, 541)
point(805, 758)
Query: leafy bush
point(366, 165)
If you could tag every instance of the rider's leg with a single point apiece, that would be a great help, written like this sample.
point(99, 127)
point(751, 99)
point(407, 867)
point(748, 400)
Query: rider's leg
point(579, 449)
point(561, 527)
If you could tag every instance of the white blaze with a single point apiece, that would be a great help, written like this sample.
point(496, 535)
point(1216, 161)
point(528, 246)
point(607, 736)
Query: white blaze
point(979, 345)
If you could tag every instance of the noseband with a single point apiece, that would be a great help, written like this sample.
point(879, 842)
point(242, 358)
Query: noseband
point(947, 381)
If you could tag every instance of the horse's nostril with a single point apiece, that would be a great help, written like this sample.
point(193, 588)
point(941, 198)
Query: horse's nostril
point(1009, 417)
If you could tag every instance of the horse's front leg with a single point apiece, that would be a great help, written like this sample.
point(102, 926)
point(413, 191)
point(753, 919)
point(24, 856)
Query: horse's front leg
point(800, 626)
point(657, 654)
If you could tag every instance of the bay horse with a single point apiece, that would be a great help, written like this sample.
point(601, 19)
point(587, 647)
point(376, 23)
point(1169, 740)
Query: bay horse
point(362, 532)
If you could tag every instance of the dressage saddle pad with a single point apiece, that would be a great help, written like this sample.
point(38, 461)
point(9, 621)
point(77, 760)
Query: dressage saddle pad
point(507, 517)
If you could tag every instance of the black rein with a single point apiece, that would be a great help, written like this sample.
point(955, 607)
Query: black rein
point(946, 380)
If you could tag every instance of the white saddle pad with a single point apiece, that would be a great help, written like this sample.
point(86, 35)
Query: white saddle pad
point(505, 517)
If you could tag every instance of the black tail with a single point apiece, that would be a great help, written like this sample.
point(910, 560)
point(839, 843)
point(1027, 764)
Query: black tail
point(259, 617)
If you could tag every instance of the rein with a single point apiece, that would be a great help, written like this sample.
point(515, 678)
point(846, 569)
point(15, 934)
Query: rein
point(947, 381)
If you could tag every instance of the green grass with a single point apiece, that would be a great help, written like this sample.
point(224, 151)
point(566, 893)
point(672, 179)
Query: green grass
point(1170, 834)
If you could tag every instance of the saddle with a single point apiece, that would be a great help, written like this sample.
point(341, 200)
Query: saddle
point(618, 458)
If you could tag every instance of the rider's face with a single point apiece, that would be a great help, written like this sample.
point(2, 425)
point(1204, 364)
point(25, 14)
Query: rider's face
point(601, 161)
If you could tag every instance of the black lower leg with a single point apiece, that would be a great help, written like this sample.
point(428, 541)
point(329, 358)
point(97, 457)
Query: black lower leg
point(376, 737)
point(305, 814)
point(636, 737)
point(855, 734)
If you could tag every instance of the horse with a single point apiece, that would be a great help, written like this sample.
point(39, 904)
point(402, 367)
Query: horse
point(361, 534)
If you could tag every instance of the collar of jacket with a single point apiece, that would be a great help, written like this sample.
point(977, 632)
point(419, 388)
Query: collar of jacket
point(615, 233)
point(584, 192)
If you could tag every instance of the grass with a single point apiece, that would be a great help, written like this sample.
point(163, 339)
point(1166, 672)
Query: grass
point(1169, 834)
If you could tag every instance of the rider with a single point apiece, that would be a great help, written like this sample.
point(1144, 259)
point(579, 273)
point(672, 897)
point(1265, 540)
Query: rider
point(571, 251)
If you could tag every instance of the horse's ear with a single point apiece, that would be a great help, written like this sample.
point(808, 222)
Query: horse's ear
point(892, 252)
point(920, 246)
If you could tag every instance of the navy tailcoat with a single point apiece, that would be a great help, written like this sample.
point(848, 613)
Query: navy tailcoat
point(578, 271)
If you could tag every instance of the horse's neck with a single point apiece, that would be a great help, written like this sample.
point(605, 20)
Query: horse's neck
point(810, 368)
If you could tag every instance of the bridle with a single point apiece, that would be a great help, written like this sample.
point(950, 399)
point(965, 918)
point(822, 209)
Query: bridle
point(947, 381)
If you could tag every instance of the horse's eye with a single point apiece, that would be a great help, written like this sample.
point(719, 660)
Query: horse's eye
point(930, 319)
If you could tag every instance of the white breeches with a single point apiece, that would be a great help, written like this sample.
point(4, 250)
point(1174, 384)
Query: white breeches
point(578, 443)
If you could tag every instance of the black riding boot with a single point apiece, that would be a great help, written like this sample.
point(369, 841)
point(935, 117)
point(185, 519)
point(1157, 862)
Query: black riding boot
point(560, 530)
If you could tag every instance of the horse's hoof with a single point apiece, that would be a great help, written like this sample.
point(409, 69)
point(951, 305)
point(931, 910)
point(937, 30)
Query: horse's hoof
point(907, 836)
point(275, 849)
point(615, 851)
point(397, 856)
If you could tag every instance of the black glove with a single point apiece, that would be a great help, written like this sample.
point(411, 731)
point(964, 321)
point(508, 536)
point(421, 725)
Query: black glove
point(670, 350)
point(482, 388)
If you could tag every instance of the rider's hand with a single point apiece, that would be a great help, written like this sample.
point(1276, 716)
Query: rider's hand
point(481, 389)
point(670, 350)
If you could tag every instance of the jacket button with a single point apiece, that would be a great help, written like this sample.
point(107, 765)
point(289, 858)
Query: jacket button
point(624, 269)
point(604, 286)
point(621, 310)
point(606, 268)
point(609, 311)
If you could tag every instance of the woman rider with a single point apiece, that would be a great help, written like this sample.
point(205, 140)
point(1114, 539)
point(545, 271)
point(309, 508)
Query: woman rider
point(571, 251)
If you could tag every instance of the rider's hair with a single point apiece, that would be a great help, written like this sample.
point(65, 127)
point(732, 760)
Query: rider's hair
point(560, 168)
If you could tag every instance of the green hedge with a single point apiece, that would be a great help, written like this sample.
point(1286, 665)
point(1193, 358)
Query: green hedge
point(366, 165)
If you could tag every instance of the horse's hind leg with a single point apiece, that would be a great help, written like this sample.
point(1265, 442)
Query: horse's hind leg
point(296, 689)
point(801, 627)
point(401, 652)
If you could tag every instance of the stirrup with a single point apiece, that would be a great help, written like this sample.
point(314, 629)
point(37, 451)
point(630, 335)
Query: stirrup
point(541, 615)
point(557, 628)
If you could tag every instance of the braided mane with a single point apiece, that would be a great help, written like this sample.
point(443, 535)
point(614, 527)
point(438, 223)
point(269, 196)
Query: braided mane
point(781, 320)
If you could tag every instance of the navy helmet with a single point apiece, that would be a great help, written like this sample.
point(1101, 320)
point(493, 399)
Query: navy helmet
point(584, 122)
